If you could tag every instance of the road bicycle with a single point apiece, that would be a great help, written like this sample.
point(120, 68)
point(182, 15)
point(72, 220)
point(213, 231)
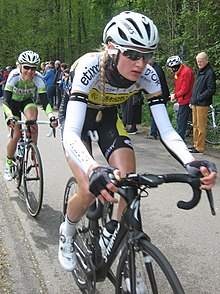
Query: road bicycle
point(130, 261)
point(213, 126)
point(27, 165)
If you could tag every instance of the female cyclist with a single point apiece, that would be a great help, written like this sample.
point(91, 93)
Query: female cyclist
point(101, 82)
point(19, 96)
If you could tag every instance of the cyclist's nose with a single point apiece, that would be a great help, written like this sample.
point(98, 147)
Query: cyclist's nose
point(141, 63)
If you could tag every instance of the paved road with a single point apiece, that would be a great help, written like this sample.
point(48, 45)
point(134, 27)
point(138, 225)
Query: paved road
point(190, 239)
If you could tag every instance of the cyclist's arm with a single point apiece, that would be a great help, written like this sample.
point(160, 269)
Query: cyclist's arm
point(6, 103)
point(178, 149)
point(75, 117)
point(46, 105)
point(169, 137)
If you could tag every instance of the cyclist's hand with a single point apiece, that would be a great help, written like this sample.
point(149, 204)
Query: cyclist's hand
point(102, 180)
point(11, 122)
point(53, 122)
point(206, 169)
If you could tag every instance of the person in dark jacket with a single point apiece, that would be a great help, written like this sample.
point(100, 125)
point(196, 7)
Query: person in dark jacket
point(165, 94)
point(57, 80)
point(203, 90)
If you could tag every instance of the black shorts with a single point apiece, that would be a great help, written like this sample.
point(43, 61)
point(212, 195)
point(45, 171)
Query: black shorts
point(18, 107)
point(111, 131)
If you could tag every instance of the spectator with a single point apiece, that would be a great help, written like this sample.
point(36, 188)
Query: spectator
point(42, 67)
point(5, 74)
point(61, 83)
point(183, 84)
point(49, 80)
point(133, 112)
point(1, 80)
point(65, 83)
point(57, 77)
point(165, 94)
point(203, 90)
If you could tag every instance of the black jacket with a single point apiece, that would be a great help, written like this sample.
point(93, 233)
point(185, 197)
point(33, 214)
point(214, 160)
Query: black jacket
point(204, 87)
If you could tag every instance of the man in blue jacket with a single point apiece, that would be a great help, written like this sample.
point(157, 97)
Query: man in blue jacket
point(203, 90)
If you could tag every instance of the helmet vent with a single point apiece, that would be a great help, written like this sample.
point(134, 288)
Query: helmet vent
point(122, 34)
point(135, 25)
point(147, 27)
point(137, 43)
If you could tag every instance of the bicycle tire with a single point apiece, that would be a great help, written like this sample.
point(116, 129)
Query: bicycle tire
point(84, 273)
point(70, 189)
point(213, 133)
point(33, 180)
point(154, 274)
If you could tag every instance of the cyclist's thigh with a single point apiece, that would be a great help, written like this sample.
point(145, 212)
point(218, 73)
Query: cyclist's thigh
point(112, 133)
point(16, 108)
point(30, 110)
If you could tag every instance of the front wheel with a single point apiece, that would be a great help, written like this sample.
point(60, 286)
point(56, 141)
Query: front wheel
point(84, 272)
point(148, 269)
point(33, 179)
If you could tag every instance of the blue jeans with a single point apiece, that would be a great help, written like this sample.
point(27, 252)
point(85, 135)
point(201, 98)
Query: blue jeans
point(50, 94)
point(182, 118)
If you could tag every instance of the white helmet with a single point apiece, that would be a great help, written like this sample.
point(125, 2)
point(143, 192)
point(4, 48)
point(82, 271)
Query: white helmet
point(29, 57)
point(173, 61)
point(132, 29)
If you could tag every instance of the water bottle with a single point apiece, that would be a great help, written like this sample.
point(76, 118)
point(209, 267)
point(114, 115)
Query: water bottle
point(107, 233)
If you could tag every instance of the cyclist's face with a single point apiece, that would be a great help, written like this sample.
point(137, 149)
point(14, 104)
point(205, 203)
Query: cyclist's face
point(131, 69)
point(27, 71)
point(131, 61)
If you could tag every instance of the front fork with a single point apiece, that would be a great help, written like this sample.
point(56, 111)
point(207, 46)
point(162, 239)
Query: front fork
point(133, 246)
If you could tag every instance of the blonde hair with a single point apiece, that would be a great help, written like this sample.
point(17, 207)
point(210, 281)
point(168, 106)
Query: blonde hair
point(104, 56)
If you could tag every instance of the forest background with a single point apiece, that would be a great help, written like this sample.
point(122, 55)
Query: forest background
point(65, 29)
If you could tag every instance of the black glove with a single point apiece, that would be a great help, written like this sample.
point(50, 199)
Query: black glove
point(194, 167)
point(99, 178)
point(11, 121)
point(52, 120)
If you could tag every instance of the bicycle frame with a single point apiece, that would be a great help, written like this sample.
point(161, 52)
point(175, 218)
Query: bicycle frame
point(25, 139)
point(120, 236)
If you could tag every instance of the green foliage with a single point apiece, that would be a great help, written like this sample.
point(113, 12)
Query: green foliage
point(66, 29)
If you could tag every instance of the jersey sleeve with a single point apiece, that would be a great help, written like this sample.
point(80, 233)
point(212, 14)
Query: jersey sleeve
point(6, 103)
point(76, 150)
point(150, 83)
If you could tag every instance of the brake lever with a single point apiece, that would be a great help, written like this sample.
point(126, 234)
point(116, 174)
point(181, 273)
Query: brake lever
point(211, 202)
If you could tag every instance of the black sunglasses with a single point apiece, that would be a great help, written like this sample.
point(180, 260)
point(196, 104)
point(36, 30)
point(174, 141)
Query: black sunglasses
point(136, 55)
point(27, 67)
